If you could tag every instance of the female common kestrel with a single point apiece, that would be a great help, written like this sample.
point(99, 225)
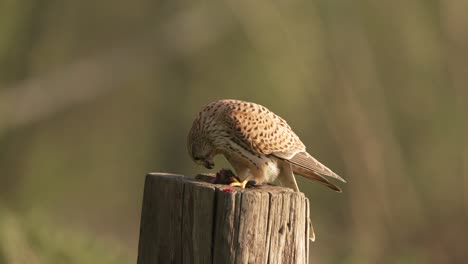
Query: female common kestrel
point(258, 144)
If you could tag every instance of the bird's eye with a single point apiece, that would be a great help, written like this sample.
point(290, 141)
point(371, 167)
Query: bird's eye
point(196, 158)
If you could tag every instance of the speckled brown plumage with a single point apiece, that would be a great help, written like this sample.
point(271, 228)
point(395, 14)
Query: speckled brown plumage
point(252, 135)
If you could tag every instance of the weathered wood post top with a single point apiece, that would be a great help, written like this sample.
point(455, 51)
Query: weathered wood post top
point(185, 220)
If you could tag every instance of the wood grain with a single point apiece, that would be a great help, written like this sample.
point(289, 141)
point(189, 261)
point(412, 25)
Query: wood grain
point(185, 220)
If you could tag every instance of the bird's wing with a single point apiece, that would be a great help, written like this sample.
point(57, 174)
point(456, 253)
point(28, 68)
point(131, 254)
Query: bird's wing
point(266, 133)
point(263, 131)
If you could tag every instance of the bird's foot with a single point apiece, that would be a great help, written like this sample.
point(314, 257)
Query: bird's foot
point(247, 183)
point(225, 176)
point(243, 184)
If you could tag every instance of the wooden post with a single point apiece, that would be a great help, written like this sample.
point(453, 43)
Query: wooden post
point(185, 220)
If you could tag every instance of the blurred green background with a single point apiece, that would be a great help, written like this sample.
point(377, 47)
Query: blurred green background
point(94, 94)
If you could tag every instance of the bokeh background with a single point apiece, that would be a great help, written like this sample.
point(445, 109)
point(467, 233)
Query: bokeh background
point(94, 94)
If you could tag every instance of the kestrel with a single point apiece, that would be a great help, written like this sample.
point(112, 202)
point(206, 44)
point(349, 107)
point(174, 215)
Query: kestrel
point(258, 144)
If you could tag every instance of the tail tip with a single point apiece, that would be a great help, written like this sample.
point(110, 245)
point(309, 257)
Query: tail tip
point(339, 177)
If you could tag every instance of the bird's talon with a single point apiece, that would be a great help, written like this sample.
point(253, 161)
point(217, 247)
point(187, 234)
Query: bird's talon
point(244, 184)
point(235, 184)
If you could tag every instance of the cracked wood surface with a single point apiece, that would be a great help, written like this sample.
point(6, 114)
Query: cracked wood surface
point(185, 220)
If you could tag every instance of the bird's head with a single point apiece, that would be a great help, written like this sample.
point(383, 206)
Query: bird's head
point(200, 148)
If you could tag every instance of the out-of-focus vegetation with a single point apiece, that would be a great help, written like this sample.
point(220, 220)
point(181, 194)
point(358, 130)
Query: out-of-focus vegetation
point(94, 94)
point(32, 239)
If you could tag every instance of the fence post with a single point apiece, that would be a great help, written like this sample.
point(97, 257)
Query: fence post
point(185, 220)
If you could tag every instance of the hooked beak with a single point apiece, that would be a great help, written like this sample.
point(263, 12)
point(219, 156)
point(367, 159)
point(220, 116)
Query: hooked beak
point(208, 164)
